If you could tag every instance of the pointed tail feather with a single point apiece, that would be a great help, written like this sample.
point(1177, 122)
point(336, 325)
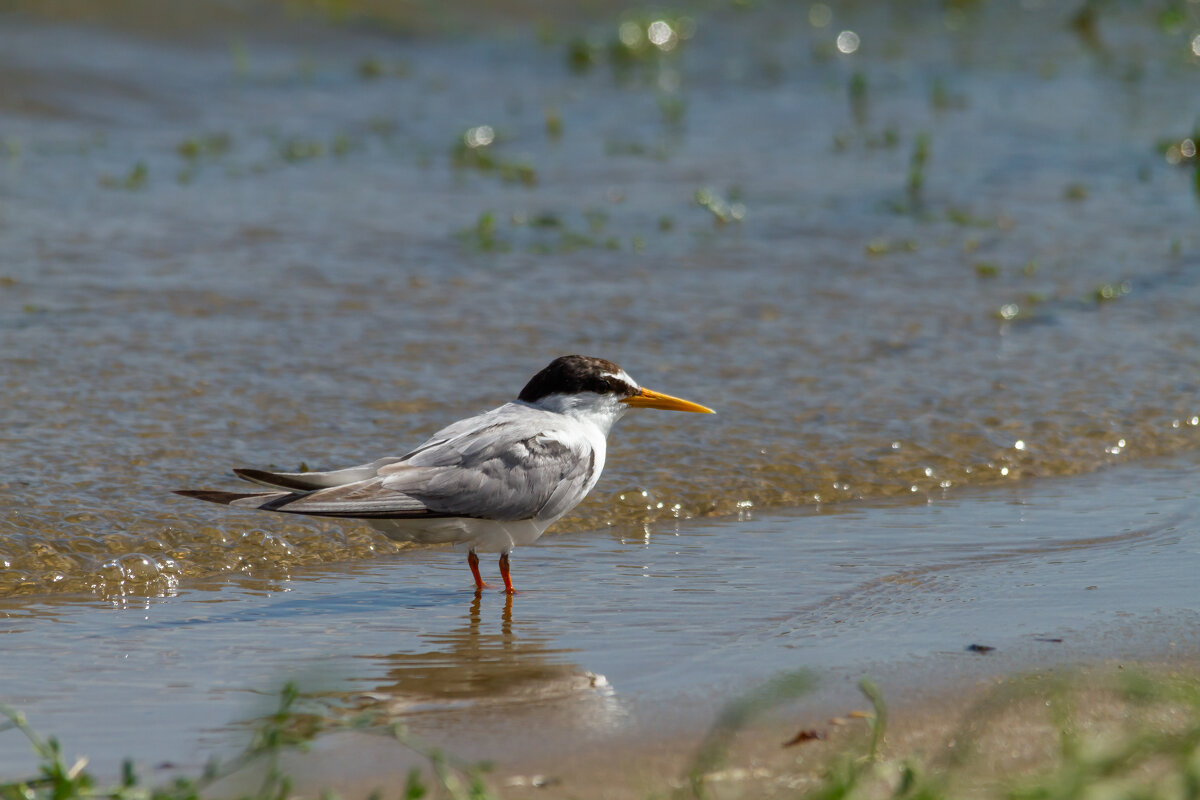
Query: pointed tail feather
point(281, 480)
point(333, 502)
point(236, 499)
point(309, 481)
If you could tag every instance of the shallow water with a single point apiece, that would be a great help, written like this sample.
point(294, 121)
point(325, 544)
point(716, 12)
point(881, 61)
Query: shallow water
point(264, 241)
point(621, 634)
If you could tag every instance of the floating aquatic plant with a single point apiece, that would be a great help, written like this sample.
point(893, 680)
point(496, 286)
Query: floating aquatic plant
point(1107, 292)
point(857, 91)
point(371, 68)
point(916, 168)
point(473, 150)
point(208, 145)
point(722, 210)
point(132, 181)
point(1075, 192)
point(637, 39)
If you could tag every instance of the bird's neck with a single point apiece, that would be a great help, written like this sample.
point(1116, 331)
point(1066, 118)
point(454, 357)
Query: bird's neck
point(598, 410)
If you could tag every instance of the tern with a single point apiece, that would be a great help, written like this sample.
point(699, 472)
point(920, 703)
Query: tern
point(489, 482)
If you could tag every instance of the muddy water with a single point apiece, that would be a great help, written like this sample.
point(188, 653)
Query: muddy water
point(955, 258)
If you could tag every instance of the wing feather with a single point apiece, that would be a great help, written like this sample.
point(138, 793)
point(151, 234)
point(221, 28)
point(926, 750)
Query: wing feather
point(512, 463)
point(365, 499)
point(307, 481)
point(511, 467)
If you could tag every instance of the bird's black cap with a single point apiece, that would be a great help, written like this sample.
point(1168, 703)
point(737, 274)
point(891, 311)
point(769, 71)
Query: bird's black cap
point(575, 374)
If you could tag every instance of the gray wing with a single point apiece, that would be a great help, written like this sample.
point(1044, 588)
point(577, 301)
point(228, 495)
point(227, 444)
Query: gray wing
point(512, 470)
point(511, 463)
point(311, 481)
point(367, 499)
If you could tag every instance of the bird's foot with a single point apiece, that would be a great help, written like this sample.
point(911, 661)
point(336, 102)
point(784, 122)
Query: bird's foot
point(473, 563)
point(504, 573)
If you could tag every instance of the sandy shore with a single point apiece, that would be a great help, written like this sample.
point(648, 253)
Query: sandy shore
point(985, 729)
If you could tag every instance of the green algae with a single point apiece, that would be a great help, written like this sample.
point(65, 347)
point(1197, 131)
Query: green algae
point(132, 181)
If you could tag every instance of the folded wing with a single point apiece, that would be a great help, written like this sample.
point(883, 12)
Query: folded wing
point(308, 481)
point(505, 473)
point(501, 465)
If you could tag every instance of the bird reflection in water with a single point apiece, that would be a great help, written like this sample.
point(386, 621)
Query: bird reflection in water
point(477, 665)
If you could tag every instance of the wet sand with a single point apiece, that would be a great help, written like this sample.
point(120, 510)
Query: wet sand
point(997, 724)
point(982, 726)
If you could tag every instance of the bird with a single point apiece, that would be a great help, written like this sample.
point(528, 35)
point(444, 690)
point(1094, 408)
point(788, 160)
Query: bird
point(487, 483)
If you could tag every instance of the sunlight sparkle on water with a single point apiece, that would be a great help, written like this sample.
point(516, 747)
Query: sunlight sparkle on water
point(1177, 152)
point(479, 136)
point(1196, 45)
point(661, 35)
point(847, 42)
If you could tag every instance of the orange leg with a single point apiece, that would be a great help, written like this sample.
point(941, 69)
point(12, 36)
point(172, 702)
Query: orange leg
point(473, 563)
point(508, 587)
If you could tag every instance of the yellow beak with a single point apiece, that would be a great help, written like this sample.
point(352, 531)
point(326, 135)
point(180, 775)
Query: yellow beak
point(648, 398)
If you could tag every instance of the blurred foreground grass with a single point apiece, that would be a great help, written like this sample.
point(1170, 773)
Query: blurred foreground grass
point(1130, 734)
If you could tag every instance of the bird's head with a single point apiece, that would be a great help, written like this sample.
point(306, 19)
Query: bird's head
point(594, 387)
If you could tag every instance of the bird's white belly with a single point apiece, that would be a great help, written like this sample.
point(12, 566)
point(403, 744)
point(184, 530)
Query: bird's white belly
point(484, 535)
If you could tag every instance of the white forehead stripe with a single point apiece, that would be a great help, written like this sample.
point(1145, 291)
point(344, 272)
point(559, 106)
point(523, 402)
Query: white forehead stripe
point(621, 375)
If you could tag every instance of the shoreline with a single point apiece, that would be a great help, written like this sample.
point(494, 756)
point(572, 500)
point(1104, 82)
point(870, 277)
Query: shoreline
point(926, 723)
